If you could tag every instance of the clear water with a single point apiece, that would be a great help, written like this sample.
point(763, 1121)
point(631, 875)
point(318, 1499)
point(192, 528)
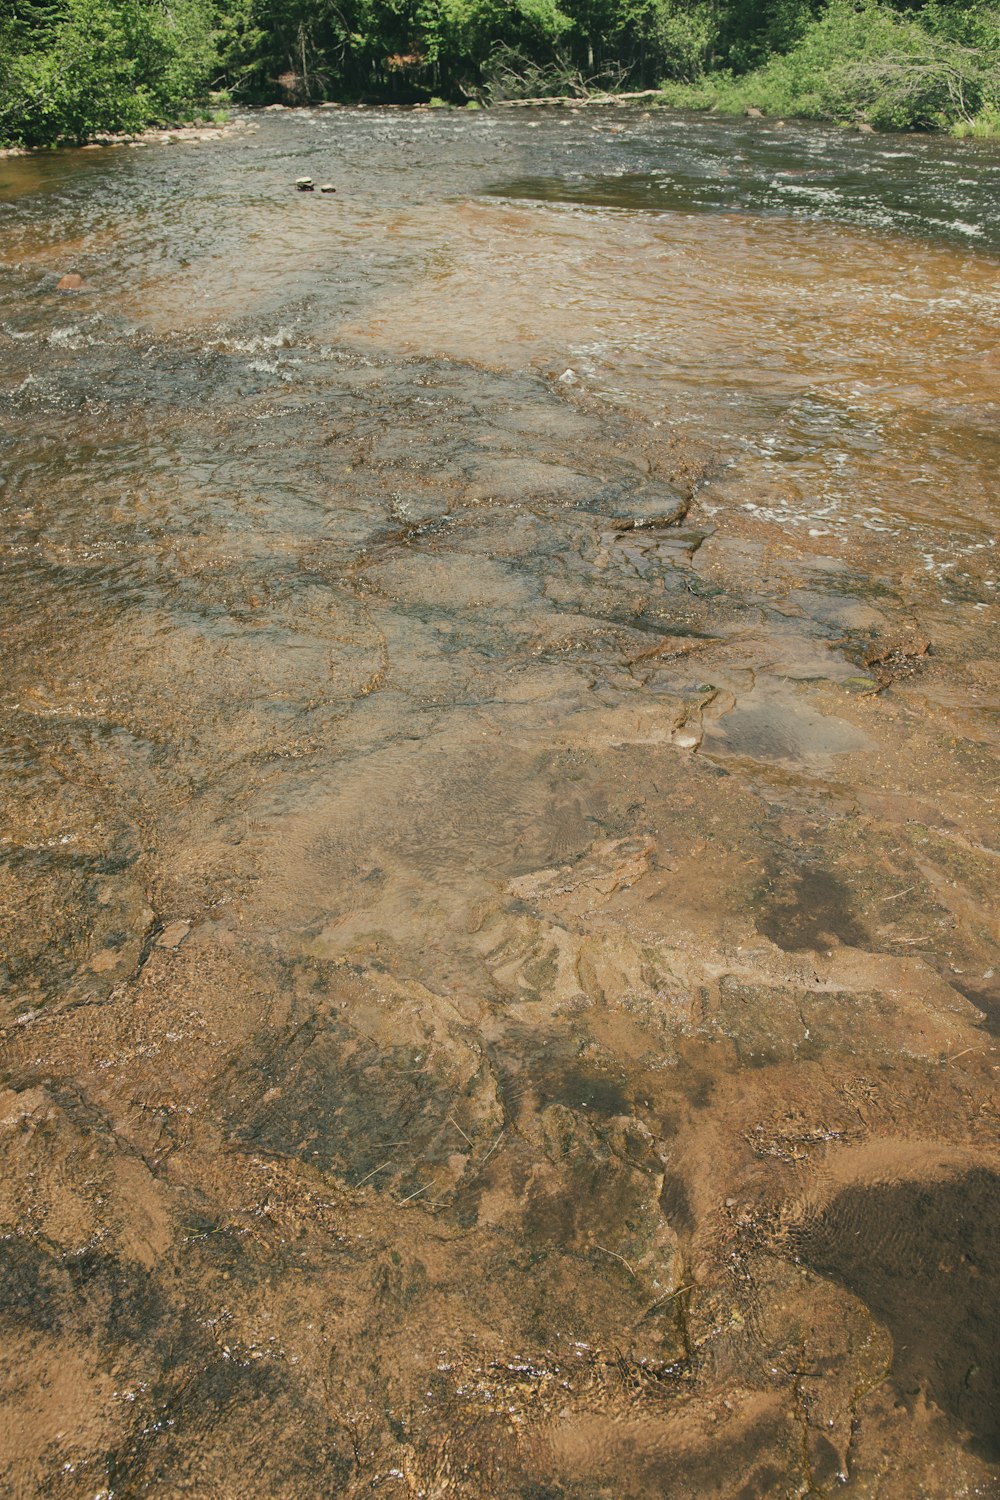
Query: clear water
point(498, 862)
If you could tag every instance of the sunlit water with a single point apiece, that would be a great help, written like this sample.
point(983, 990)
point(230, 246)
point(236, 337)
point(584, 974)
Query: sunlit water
point(499, 848)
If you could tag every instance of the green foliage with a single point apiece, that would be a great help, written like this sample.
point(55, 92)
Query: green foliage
point(686, 36)
point(982, 127)
point(863, 61)
point(510, 73)
point(750, 33)
point(71, 68)
point(500, 35)
point(82, 66)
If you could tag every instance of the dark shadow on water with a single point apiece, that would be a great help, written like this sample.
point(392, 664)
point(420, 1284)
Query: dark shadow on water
point(925, 1257)
point(810, 175)
point(634, 191)
point(675, 1202)
point(807, 908)
point(984, 994)
point(581, 1089)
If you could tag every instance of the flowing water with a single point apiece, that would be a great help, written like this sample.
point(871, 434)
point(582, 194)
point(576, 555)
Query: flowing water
point(499, 845)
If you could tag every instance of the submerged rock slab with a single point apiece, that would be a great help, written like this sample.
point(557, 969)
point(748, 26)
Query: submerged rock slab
point(493, 1004)
point(635, 505)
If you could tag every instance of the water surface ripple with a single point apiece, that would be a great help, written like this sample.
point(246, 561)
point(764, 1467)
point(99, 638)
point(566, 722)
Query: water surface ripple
point(499, 840)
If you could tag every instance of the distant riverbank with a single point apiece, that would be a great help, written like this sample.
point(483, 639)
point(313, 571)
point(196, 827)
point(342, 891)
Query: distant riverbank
point(73, 71)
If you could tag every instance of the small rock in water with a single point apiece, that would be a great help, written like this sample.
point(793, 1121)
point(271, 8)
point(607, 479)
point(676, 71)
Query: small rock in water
point(71, 282)
point(304, 184)
point(173, 934)
point(327, 187)
point(686, 738)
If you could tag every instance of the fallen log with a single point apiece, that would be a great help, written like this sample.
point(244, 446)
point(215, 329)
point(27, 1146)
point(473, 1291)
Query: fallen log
point(577, 99)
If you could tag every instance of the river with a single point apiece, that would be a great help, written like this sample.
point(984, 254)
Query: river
point(499, 840)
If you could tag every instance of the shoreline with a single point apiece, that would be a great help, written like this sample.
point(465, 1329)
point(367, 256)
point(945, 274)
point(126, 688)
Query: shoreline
point(166, 135)
point(649, 99)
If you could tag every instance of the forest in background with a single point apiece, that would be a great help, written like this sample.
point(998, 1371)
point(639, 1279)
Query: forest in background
point(71, 69)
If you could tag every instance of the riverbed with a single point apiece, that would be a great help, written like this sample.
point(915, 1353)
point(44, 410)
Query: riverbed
point(499, 840)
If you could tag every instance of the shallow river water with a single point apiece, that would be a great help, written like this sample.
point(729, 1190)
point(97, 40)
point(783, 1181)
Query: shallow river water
point(499, 848)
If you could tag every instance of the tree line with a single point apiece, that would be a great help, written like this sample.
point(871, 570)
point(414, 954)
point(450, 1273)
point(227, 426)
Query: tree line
point(70, 69)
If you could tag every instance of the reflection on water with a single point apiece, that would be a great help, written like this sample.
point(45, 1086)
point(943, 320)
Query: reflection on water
point(499, 848)
point(930, 188)
point(924, 1257)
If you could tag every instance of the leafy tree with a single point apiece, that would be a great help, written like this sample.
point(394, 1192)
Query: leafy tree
point(70, 68)
point(894, 67)
point(74, 67)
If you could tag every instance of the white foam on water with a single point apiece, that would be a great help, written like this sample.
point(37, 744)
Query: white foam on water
point(809, 190)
